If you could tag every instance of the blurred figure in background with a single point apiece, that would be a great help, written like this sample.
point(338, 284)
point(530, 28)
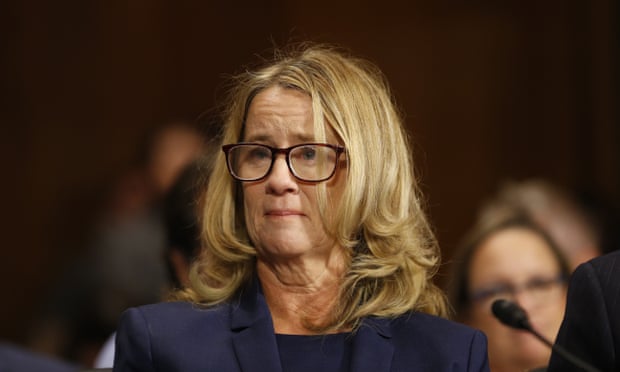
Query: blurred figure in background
point(122, 265)
point(181, 208)
point(128, 248)
point(14, 358)
point(181, 219)
point(513, 259)
point(555, 210)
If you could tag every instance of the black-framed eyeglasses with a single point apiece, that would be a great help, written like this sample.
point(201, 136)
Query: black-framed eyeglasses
point(308, 162)
point(539, 288)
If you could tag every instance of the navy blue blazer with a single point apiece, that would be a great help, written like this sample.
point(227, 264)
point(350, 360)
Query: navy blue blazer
point(591, 325)
point(179, 336)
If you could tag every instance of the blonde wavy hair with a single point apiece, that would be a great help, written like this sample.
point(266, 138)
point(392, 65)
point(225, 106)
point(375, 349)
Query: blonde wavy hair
point(379, 220)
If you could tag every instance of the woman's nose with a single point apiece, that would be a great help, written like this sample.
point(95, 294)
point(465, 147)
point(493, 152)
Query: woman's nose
point(280, 179)
point(526, 300)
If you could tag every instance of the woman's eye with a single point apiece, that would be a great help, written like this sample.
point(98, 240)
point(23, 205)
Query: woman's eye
point(260, 154)
point(308, 153)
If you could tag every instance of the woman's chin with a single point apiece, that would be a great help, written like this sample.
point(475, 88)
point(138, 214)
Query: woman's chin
point(533, 351)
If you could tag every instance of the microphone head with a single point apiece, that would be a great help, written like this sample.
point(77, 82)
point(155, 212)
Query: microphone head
point(510, 314)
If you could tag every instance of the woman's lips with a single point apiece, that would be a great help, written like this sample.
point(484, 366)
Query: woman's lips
point(283, 212)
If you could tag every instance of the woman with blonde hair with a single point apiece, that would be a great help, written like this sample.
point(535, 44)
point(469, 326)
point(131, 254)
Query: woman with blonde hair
point(513, 259)
point(318, 254)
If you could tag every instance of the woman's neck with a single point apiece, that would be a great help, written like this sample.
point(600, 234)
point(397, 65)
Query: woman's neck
point(300, 291)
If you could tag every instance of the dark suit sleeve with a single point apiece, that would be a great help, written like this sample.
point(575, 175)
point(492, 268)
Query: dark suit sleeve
point(133, 344)
point(585, 330)
point(479, 361)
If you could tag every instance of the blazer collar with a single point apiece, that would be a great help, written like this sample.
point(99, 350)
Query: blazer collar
point(254, 339)
point(372, 346)
point(255, 344)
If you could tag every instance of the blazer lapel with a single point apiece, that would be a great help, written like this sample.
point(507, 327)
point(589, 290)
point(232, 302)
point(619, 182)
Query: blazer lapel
point(372, 346)
point(254, 340)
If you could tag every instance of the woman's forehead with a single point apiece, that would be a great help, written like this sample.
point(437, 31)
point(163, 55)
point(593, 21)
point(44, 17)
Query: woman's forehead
point(284, 113)
point(513, 253)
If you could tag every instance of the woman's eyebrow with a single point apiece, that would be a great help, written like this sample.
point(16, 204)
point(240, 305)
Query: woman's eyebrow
point(300, 137)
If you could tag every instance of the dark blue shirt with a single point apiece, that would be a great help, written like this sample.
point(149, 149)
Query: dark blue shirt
point(325, 353)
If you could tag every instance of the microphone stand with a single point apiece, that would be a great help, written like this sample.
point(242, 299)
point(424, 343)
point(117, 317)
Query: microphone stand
point(563, 353)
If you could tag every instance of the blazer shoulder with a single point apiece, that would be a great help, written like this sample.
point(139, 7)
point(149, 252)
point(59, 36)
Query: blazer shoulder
point(428, 337)
point(160, 334)
point(434, 323)
point(608, 263)
point(434, 329)
point(166, 314)
point(602, 273)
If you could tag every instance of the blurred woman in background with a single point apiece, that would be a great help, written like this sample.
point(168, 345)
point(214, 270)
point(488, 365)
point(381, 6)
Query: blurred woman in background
point(511, 259)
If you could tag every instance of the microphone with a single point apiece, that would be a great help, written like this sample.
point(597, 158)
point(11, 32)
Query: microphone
point(513, 315)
